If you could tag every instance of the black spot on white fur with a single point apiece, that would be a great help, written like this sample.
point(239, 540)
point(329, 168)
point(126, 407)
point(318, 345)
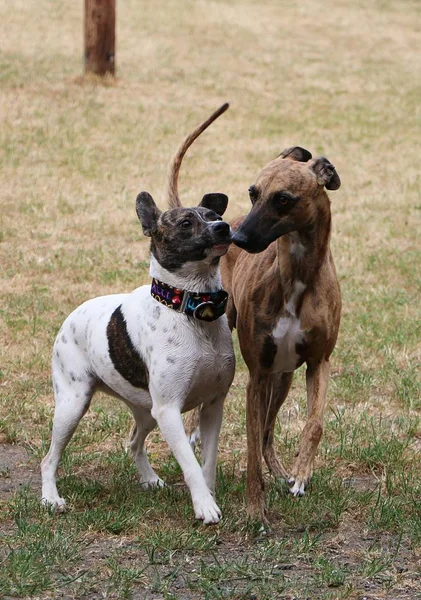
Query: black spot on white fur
point(126, 359)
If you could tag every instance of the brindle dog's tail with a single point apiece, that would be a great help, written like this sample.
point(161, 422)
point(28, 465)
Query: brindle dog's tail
point(172, 193)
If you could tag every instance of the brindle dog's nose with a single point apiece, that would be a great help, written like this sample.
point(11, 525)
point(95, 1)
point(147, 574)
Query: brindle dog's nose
point(221, 227)
point(240, 239)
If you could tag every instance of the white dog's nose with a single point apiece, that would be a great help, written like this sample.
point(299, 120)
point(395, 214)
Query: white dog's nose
point(221, 227)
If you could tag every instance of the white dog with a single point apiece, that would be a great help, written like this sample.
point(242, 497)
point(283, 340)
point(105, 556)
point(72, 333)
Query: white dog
point(163, 349)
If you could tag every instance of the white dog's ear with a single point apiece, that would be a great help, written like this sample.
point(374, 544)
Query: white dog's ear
point(148, 213)
point(217, 202)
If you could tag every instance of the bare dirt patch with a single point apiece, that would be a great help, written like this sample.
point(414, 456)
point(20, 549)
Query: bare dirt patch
point(17, 469)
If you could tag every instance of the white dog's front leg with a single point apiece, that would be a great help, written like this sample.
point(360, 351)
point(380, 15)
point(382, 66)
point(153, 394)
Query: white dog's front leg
point(171, 425)
point(210, 426)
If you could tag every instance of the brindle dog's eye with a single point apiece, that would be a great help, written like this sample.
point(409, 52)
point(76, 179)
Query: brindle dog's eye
point(185, 224)
point(253, 194)
point(283, 199)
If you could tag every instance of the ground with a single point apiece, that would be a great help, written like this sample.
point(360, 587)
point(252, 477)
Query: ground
point(341, 79)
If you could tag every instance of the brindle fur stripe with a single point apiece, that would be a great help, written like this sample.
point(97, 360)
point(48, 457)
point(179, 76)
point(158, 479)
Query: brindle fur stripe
point(126, 359)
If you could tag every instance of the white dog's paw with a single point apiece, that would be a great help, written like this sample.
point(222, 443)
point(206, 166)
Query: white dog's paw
point(54, 502)
point(206, 509)
point(296, 488)
point(152, 484)
point(194, 438)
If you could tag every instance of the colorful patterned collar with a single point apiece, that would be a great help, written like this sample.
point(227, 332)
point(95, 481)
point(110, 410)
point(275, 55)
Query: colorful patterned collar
point(204, 306)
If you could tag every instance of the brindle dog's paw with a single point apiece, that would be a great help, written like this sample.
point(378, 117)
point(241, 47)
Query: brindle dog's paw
point(297, 486)
point(258, 520)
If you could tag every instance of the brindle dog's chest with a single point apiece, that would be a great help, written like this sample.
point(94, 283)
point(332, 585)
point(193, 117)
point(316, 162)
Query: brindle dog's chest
point(287, 335)
point(281, 348)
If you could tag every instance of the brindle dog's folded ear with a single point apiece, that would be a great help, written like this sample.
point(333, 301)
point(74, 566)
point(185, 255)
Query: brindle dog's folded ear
point(296, 153)
point(148, 213)
point(326, 173)
point(217, 202)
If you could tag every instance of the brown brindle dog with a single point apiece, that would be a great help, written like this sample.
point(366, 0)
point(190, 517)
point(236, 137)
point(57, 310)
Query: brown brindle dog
point(285, 303)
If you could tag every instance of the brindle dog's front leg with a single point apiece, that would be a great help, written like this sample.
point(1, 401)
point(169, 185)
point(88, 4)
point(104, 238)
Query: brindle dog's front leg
point(276, 392)
point(255, 483)
point(317, 379)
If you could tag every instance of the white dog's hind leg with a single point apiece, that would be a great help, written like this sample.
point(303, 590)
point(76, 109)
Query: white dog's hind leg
point(144, 425)
point(210, 426)
point(191, 425)
point(73, 392)
point(171, 425)
point(194, 438)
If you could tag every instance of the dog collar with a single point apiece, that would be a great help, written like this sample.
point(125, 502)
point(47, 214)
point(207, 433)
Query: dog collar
point(204, 306)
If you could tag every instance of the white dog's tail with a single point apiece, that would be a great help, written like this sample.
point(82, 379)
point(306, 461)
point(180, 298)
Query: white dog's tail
point(174, 169)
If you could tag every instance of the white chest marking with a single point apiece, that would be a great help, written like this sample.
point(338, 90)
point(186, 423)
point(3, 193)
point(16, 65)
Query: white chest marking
point(297, 249)
point(297, 289)
point(287, 333)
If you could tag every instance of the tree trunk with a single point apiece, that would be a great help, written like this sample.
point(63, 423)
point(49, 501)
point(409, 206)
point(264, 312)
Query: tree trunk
point(100, 36)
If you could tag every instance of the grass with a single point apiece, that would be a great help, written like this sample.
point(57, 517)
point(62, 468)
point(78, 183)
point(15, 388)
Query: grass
point(337, 78)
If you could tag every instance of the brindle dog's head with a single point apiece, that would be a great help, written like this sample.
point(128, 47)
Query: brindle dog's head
point(182, 235)
point(287, 196)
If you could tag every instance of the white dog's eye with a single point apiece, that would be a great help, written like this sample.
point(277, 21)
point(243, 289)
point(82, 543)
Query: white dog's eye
point(211, 216)
point(185, 224)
